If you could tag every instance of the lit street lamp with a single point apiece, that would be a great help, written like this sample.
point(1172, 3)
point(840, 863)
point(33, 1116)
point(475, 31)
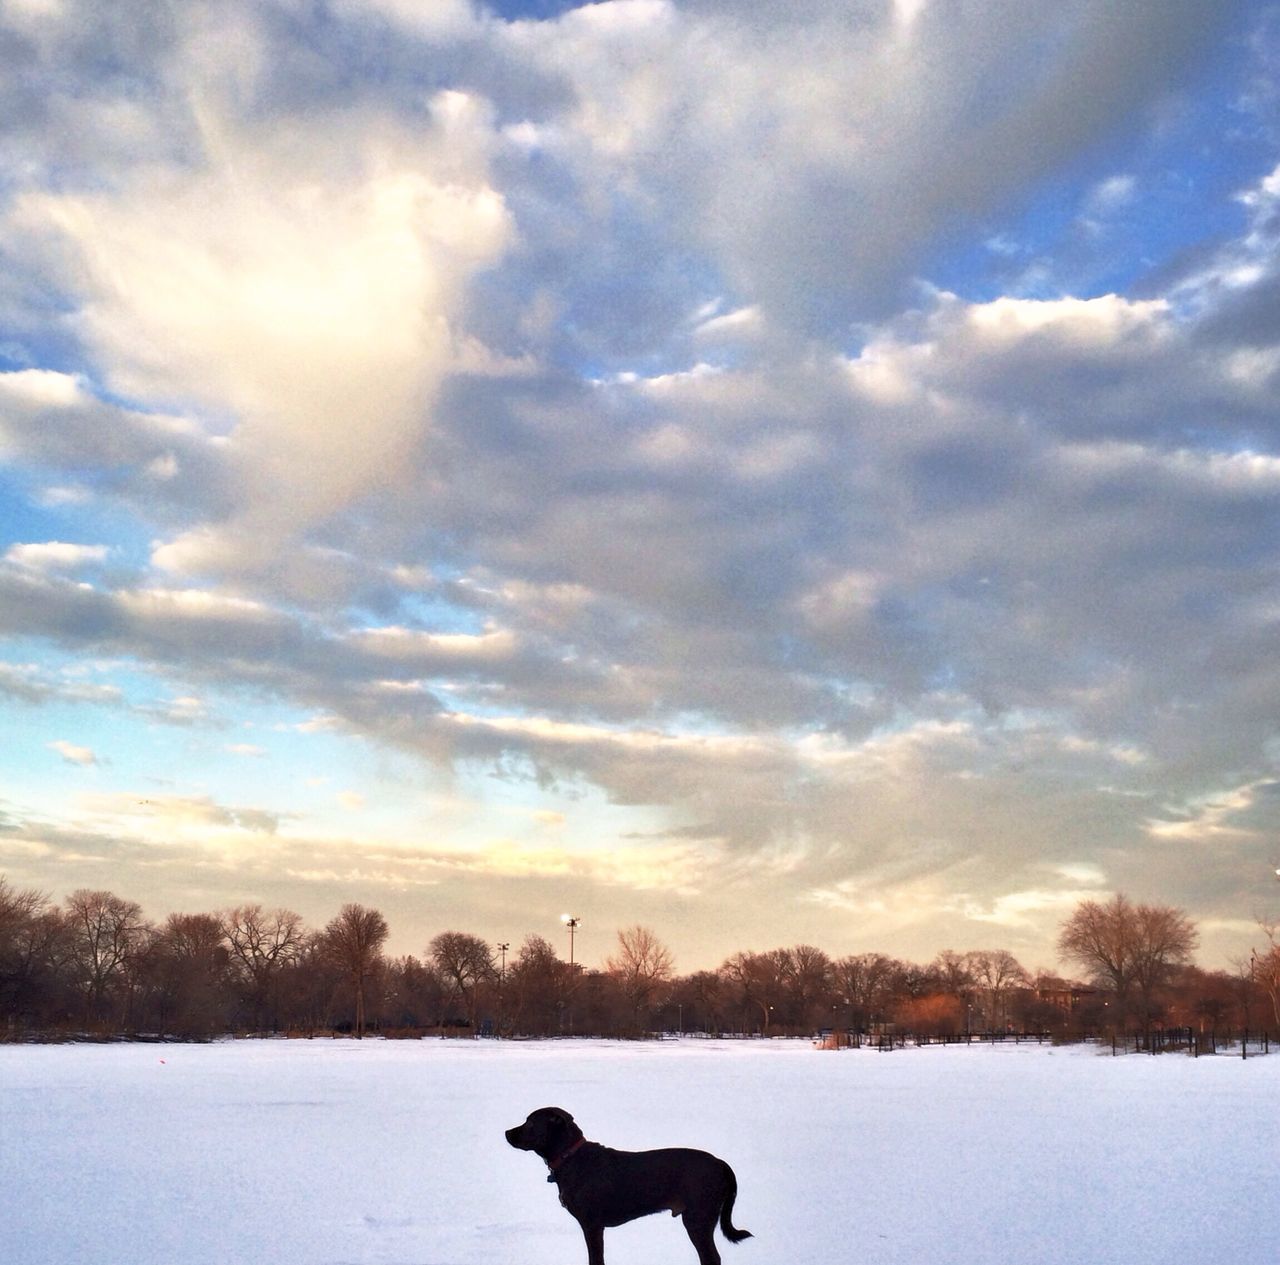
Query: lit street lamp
point(572, 923)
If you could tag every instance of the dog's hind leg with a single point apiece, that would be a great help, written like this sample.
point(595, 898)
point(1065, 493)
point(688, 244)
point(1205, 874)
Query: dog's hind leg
point(701, 1229)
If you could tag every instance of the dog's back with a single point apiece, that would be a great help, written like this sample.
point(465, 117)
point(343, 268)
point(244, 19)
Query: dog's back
point(623, 1185)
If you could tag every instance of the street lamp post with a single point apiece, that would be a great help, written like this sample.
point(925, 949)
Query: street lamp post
point(572, 923)
point(503, 946)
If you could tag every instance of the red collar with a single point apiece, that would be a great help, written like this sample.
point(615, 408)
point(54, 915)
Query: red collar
point(564, 1155)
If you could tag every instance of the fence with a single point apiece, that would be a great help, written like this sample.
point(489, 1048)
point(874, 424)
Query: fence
point(1155, 1041)
point(886, 1040)
point(1190, 1041)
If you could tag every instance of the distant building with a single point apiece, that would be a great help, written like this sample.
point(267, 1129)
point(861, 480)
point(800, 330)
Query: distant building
point(1065, 995)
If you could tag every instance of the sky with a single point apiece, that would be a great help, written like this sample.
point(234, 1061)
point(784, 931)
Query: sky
point(774, 474)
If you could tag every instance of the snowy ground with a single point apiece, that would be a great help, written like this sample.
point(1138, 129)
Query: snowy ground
point(339, 1152)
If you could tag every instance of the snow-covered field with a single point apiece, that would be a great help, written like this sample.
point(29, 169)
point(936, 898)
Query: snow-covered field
point(392, 1152)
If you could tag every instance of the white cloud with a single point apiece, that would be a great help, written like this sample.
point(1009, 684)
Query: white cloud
point(55, 555)
point(304, 279)
point(411, 645)
point(1027, 908)
point(185, 710)
point(1208, 818)
point(439, 20)
point(72, 753)
point(1109, 195)
point(196, 605)
point(742, 323)
point(1082, 875)
point(157, 819)
point(815, 156)
point(43, 388)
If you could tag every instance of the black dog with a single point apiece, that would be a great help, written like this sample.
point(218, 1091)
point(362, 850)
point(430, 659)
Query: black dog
point(602, 1187)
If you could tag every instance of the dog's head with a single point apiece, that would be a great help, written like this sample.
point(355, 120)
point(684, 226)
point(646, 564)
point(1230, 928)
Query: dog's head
point(548, 1132)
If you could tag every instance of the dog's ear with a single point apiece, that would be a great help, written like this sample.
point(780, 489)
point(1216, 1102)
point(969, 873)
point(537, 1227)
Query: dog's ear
point(559, 1125)
point(553, 1115)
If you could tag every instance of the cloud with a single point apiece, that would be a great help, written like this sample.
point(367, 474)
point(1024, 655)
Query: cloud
point(298, 282)
point(246, 749)
point(873, 129)
point(884, 565)
point(38, 683)
point(1111, 195)
point(741, 323)
point(55, 554)
point(155, 818)
point(560, 406)
point(440, 20)
point(1212, 818)
point(435, 652)
point(71, 753)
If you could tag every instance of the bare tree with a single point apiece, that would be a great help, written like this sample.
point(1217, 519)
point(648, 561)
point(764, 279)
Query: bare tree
point(17, 905)
point(466, 964)
point(305, 992)
point(809, 979)
point(354, 940)
point(104, 933)
point(953, 973)
point(1265, 966)
point(262, 945)
point(1166, 939)
point(996, 972)
point(537, 982)
point(642, 965)
point(699, 999)
point(29, 929)
point(190, 966)
point(865, 984)
point(759, 982)
point(1129, 948)
point(415, 993)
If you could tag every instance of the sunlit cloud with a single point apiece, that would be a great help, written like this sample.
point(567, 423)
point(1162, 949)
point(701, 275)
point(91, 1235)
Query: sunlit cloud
point(73, 753)
point(55, 554)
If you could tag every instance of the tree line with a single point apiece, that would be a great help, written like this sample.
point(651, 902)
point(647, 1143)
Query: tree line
point(95, 965)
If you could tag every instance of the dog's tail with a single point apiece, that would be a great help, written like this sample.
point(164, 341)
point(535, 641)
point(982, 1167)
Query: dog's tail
point(727, 1227)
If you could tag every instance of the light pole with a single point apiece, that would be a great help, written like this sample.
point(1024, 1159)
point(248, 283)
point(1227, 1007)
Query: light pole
point(572, 923)
point(503, 946)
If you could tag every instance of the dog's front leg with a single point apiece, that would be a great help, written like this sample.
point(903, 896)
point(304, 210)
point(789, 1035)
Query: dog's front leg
point(594, 1235)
